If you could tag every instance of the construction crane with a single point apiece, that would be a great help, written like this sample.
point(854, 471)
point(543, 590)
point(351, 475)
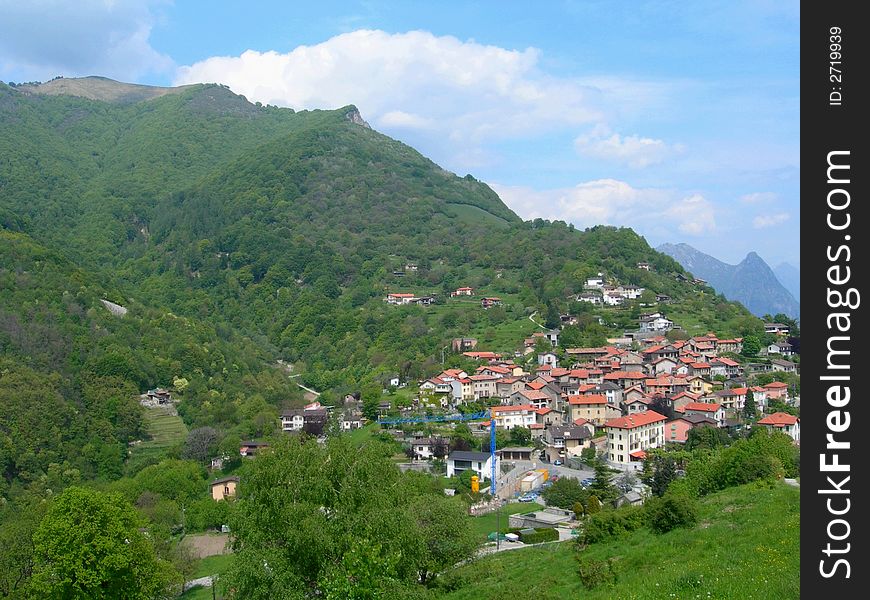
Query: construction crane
point(457, 417)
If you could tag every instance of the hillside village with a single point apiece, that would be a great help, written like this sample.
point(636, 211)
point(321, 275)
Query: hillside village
point(645, 390)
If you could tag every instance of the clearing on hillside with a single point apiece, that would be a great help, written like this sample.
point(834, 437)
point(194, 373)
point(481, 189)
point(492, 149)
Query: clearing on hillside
point(166, 430)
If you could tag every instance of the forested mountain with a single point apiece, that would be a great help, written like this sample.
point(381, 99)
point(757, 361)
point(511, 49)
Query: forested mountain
point(238, 234)
point(751, 282)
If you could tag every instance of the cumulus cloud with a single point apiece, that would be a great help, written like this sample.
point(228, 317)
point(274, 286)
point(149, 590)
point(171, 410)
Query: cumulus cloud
point(40, 39)
point(633, 150)
point(465, 90)
point(614, 202)
point(758, 198)
point(764, 221)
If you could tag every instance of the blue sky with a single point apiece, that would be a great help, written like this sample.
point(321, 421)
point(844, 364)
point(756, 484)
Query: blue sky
point(679, 119)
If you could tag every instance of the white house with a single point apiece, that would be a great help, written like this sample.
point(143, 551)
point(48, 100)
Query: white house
point(479, 462)
point(710, 410)
point(655, 322)
point(629, 437)
point(595, 282)
point(508, 417)
point(788, 424)
point(548, 358)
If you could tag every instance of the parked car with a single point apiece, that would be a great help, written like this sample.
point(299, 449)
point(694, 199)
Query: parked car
point(557, 462)
point(525, 498)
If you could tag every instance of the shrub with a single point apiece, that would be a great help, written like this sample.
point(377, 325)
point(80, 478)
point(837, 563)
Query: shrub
point(541, 534)
point(671, 511)
point(609, 524)
point(594, 573)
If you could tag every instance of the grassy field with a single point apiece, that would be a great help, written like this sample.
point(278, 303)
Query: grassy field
point(486, 524)
point(166, 430)
point(746, 545)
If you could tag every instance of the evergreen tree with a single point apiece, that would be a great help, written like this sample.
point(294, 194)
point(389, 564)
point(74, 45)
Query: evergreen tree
point(750, 411)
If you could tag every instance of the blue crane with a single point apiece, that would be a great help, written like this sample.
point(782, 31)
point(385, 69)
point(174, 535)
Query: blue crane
point(457, 417)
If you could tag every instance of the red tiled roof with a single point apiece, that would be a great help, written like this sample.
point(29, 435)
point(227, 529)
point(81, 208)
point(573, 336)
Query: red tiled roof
point(638, 454)
point(544, 411)
point(776, 385)
point(586, 387)
point(401, 295)
point(559, 372)
point(636, 420)
point(728, 362)
point(536, 385)
point(517, 408)
point(779, 419)
point(536, 426)
point(702, 406)
point(482, 354)
point(588, 399)
point(625, 375)
point(579, 373)
point(534, 395)
point(544, 368)
point(581, 421)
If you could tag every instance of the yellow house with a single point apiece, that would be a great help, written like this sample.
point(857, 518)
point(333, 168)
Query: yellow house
point(224, 488)
point(699, 385)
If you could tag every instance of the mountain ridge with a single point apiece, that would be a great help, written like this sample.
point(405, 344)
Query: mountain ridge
point(751, 282)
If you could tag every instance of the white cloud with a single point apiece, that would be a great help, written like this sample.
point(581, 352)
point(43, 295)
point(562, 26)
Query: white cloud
point(465, 91)
point(40, 39)
point(614, 202)
point(763, 221)
point(759, 198)
point(634, 151)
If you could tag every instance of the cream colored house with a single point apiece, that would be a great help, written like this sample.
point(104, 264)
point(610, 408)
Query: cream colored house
point(629, 437)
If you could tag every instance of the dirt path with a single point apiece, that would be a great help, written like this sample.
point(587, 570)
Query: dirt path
point(207, 544)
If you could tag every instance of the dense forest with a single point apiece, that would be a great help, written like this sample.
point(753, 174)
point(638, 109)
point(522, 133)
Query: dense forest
point(235, 235)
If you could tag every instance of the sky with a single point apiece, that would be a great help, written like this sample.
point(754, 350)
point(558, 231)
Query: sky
point(678, 119)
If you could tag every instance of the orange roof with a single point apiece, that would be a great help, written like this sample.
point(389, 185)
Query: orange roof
point(700, 365)
point(636, 420)
point(589, 399)
point(586, 387)
point(536, 385)
point(579, 373)
point(402, 295)
point(776, 385)
point(452, 372)
point(625, 375)
point(518, 407)
point(702, 406)
point(559, 372)
point(536, 426)
point(638, 454)
point(544, 411)
point(483, 378)
point(728, 362)
point(482, 354)
point(544, 368)
point(581, 421)
point(534, 395)
point(779, 419)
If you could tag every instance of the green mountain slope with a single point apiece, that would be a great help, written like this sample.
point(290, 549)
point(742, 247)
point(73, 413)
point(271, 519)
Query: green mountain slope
point(746, 545)
point(280, 232)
